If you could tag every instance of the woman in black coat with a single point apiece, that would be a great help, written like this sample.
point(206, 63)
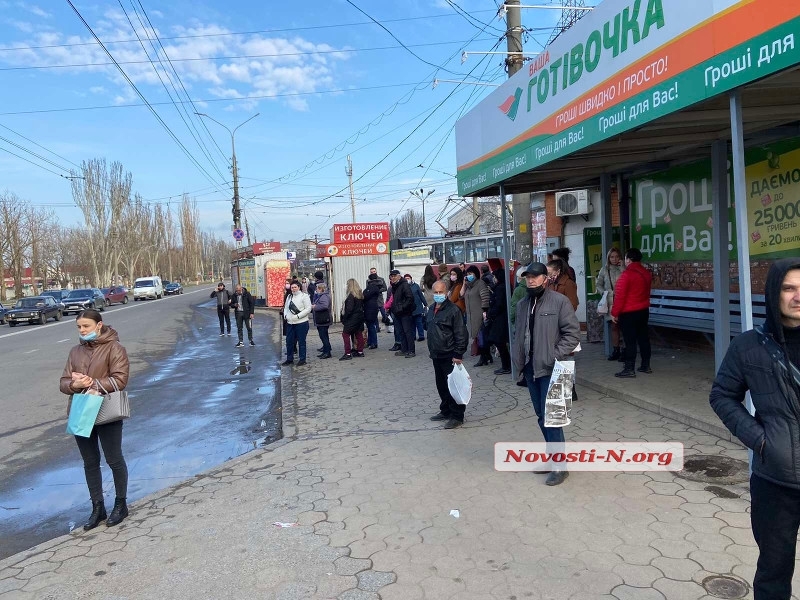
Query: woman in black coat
point(353, 320)
point(498, 322)
point(372, 293)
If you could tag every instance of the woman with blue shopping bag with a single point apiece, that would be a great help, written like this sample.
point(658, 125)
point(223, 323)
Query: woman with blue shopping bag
point(97, 365)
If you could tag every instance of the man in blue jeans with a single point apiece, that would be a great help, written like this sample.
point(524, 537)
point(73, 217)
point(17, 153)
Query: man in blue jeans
point(545, 330)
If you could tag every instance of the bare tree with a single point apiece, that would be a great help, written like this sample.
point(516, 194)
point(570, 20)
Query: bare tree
point(190, 237)
point(16, 242)
point(410, 224)
point(102, 193)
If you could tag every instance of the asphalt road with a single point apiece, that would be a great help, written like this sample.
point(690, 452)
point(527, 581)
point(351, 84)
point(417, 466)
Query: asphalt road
point(196, 402)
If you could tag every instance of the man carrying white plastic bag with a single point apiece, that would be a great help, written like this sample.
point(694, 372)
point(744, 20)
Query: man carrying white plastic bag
point(546, 330)
point(447, 342)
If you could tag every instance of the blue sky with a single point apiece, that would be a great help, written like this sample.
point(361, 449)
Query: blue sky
point(326, 80)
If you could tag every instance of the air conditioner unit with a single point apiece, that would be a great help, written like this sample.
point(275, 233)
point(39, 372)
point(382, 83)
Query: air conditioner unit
point(575, 202)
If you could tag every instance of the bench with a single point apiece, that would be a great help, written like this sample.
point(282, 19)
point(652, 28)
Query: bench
point(694, 310)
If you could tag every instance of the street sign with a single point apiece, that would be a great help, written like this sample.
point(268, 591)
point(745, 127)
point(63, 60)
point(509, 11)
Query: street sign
point(238, 235)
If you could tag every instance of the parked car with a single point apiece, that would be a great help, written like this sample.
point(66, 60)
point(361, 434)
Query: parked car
point(78, 300)
point(115, 294)
point(37, 309)
point(58, 296)
point(173, 288)
point(3, 311)
point(148, 287)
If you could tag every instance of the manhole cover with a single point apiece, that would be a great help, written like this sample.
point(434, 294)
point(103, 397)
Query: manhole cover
point(720, 492)
point(722, 586)
point(712, 468)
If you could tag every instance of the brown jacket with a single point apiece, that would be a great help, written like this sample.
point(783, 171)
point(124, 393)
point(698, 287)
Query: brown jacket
point(101, 359)
point(565, 285)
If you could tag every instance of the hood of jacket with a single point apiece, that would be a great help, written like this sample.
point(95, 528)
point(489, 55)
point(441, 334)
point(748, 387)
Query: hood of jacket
point(107, 334)
point(772, 295)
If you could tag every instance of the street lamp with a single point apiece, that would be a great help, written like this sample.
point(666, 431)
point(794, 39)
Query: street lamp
point(423, 196)
point(237, 213)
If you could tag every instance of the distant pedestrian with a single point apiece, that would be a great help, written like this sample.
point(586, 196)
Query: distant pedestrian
point(223, 308)
point(488, 277)
point(497, 322)
point(304, 286)
point(318, 278)
point(546, 330)
point(476, 302)
point(426, 284)
point(563, 254)
point(607, 280)
point(353, 320)
point(447, 343)
point(243, 309)
point(444, 274)
point(383, 289)
point(296, 311)
point(631, 310)
point(454, 295)
point(420, 306)
point(99, 363)
point(402, 311)
point(321, 309)
point(766, 362)
point(371, 294)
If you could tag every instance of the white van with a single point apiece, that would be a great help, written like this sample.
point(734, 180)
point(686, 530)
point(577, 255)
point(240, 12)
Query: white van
point(148, 287)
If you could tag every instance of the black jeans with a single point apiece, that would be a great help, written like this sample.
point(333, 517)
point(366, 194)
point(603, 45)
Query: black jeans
point(775, 518)
point(110, 436)
point(242, 321)
point(322, 330)
point(634, 330)
point(406, 324)
point(505, 355)
point(442, 367)
point(224, 314)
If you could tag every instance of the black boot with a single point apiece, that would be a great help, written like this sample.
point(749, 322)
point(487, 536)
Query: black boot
point(118, 513)
point(627, 371)
point(98, 514)
point(645, 368)
point(615, 354)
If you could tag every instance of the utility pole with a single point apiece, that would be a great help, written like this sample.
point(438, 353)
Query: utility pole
point(521, 203)
point(246, 226)
point(423, 196)
point(349, 172)
point(237, 211)
point(476, 226)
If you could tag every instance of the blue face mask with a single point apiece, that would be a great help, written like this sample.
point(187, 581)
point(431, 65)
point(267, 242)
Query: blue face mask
point(439, 298)
point(89, 336)
point(470, 278)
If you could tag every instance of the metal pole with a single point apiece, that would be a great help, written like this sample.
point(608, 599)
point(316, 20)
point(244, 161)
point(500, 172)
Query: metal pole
point(742, 233)
point(607, 240)
point(722, 279)
point(349, 172)
point(507, 269)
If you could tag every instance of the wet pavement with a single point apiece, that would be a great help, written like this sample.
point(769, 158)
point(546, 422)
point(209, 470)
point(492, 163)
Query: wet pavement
point(206, 403)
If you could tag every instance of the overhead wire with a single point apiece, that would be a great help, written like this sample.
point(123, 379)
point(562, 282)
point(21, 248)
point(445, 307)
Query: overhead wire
point(139, 93)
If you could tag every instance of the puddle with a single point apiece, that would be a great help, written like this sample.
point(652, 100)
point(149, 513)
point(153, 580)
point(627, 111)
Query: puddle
point(187, 417)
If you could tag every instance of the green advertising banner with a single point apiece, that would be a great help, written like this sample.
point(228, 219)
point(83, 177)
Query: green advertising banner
point(672, 210)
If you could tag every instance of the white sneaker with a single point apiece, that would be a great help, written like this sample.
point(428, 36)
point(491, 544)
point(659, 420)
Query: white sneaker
point(221, 335)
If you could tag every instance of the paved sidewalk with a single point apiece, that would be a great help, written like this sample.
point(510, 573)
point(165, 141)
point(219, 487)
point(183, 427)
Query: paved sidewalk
point(370, 483)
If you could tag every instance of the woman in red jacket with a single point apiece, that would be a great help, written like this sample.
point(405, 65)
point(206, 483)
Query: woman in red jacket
point(631, 309)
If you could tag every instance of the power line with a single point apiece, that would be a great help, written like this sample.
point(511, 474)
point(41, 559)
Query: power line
point(38, 145)
point(31, 162)
point(236, 33)
point(234, 57)
point(136, 89)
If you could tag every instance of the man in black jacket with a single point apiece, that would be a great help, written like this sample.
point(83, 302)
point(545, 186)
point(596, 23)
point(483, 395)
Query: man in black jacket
point(765, 362)
point(402, 310)
point(223, 307)
point(244, 308)
point(447, 342)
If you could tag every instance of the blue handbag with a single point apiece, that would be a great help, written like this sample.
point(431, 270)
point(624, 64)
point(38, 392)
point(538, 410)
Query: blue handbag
point(83, 413)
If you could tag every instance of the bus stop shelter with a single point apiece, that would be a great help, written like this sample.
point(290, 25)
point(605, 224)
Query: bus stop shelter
point(640, 86)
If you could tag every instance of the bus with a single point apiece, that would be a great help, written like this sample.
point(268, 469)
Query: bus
point(468, 249)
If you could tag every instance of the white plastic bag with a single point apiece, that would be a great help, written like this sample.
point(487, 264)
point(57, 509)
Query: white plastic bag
point(602, 306)
point(460, 384)
point(558, 403)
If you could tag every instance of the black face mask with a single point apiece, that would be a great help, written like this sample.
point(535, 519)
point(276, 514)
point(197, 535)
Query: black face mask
point(535, 292)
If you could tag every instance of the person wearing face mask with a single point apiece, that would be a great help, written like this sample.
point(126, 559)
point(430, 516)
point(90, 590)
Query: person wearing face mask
point(420, 306)
point(476, 302)
point(223, 307)
point(447, 342)
point(92, 364)
point(559, 281)
point(296, 311)
point(546, 330)
point(454, 295)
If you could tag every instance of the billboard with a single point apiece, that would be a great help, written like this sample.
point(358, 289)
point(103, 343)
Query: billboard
point(352, 249)
point(266, 247)
point(672, 210)
point(627, 63)
point(360, 233)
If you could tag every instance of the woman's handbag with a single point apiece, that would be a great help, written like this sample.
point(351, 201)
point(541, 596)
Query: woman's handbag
point(115, 406)
point(602, 306)
point(322, 317)
point(293, 308)
point(83, 412)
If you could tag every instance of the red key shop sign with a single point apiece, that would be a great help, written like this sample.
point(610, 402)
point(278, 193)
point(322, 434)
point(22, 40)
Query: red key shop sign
point(361, 233)
point(266, 247)
point(352, 249)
